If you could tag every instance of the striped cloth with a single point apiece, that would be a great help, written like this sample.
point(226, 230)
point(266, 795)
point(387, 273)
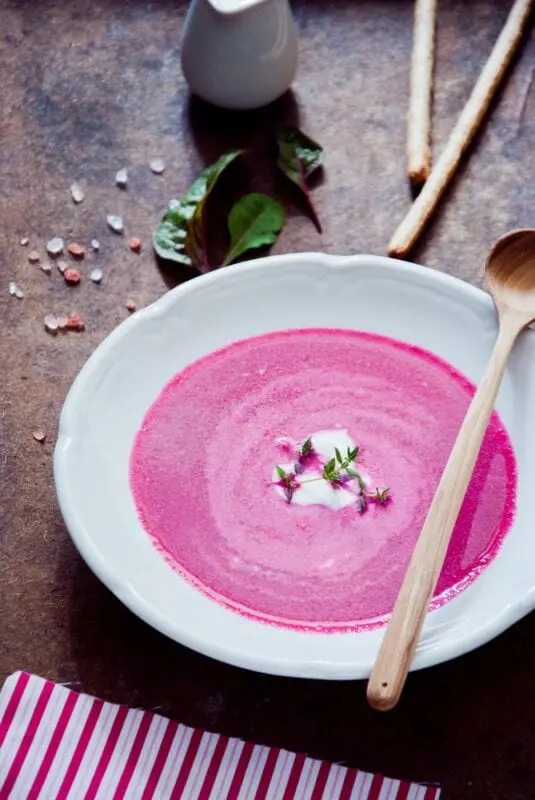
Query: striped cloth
point(57, 744)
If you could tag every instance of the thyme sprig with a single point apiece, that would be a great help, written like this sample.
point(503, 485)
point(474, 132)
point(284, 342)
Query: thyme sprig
point(340, 467)
point(338, 471)
point(288, 481)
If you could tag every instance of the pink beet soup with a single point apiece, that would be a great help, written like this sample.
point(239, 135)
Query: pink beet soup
point(202, 476)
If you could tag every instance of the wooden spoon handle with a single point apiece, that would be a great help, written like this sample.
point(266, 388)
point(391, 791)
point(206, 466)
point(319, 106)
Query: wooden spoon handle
point(402, 633)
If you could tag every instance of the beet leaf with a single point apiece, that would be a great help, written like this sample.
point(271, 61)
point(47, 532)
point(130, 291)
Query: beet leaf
point(255, 220)
point(299, 157)
point(181, 233)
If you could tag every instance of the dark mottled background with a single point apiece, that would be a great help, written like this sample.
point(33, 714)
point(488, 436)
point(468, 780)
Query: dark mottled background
point(87, 88)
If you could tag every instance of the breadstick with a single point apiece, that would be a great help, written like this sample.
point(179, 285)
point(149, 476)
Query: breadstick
point(464, 131)
point(419, 116)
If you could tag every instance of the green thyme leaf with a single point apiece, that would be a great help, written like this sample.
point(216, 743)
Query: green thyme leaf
point(281, 473)
point(306, 447)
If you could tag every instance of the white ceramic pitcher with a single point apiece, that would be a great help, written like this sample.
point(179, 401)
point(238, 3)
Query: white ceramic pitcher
point(239, 54)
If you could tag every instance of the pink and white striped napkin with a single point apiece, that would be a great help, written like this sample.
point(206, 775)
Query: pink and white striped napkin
point(57, 744)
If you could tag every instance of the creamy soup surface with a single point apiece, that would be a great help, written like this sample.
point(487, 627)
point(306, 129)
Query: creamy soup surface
point(328, 556)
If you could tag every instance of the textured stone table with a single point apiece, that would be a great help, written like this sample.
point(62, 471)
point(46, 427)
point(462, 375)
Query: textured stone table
point(90, 87)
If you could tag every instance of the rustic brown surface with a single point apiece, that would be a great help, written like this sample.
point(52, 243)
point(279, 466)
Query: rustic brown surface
point(87, 88)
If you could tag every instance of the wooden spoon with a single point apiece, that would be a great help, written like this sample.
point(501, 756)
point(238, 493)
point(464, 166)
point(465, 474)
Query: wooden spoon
point(510, 275)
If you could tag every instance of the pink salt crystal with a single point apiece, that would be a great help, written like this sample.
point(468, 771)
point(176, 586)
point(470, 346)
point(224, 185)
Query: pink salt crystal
point(130, 305)
point(33, 257)
point(39, 435)
point(75, 322)
point(62, 266)
point(72, 276)
point(76, 250)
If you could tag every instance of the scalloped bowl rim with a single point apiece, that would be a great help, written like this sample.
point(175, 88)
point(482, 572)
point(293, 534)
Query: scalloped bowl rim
point(443, 637)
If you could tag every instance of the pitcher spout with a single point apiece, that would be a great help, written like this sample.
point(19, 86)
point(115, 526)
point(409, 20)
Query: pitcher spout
point(230, 7)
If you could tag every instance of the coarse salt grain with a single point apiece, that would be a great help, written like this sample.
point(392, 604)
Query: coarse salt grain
point(72, 276)
point(39, 435)
point(46, 267)
point(157, 166)
point(95, 275)
point(121, 178)
point(15, 290)
point(24, 241)
point(75, 322)
point(54, 246)
point(76, 250)
point(77, 193)
point(115, 223)
point(62, 266)
point(95, 244)
point(33, 257)
point(51, 323)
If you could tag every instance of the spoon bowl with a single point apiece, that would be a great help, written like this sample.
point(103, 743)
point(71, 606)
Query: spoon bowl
point(510, 271)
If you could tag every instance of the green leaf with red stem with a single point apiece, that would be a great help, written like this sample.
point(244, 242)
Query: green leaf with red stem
point(299, 157)
point(181, 233)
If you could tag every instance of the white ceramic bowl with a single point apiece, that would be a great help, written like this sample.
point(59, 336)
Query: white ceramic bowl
point(110, 396)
